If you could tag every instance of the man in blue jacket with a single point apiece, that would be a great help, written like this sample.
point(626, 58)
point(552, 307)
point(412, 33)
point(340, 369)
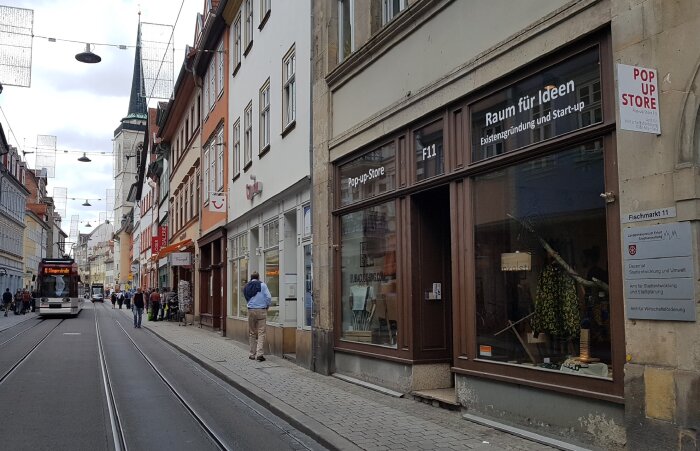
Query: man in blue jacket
point(259, 299)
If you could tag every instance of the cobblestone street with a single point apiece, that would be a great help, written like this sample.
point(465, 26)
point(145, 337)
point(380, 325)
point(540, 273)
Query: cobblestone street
point(335, 412)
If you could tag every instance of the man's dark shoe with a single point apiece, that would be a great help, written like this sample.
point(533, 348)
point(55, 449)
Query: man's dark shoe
point(260, 359)
point(251, 357)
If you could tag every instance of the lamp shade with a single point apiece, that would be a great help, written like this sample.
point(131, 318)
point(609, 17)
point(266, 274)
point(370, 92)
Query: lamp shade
point(87, 56)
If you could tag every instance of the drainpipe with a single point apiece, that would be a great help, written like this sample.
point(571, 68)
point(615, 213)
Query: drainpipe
point(314, 305)
point(194, 293)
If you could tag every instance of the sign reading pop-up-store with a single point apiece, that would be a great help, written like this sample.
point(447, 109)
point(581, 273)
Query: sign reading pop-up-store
point(658, 266)
point(638, 99)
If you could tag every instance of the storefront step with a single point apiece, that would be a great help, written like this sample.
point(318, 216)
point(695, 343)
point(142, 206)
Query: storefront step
point(524, 433)
point(445, 398)
point(371, 386)
point(290, 357)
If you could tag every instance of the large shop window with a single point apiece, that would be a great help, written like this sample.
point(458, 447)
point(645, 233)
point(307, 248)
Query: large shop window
point(558, 100)
point(542, 297)
point(368, 288)
point(271, 255)
point(239, 274)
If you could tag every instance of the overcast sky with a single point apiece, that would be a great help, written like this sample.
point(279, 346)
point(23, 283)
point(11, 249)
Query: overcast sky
point(82, 104)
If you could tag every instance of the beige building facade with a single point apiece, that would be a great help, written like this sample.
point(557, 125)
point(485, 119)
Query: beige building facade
point(505, 207)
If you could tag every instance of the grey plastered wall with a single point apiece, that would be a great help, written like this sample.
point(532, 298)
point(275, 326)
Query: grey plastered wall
point(594, 422)
point(662, 374)
point(457, 33)
point(395, 376)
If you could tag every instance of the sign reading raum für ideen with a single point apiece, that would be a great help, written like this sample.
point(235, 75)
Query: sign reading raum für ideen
point(659, 272)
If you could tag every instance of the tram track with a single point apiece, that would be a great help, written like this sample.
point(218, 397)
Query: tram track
point(28, 353)
point(204, 406)
point(118, 438)
point(209, 431)
point(20, 333)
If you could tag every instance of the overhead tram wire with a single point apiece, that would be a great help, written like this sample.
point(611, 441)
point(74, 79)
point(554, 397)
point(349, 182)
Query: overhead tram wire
point(93, 152)
point(10, 128)
point(75, 41)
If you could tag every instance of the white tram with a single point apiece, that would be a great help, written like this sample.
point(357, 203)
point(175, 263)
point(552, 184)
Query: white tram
point(58, 288)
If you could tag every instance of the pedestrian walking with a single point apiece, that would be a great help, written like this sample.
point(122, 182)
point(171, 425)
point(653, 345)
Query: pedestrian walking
point(120, 299)
point(113, 298)
point(259, 299)
point(137, 308)
point(155, 304)
point(18, 302)
point(26, 300)
point(127, 299)
point(7, 300)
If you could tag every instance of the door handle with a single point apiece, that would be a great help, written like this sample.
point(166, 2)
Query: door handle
point(609, 197)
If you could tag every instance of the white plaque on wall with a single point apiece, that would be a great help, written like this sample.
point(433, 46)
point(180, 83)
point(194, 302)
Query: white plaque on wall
point(638, 99)
point(659, 273)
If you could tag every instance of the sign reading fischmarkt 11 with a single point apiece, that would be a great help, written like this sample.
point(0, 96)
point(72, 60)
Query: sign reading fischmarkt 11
point(659, 273)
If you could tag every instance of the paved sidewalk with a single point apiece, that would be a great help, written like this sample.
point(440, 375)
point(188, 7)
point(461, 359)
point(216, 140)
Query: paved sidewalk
point(334, 412)
point(12, 320)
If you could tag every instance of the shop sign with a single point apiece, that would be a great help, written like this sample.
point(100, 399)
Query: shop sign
point(162, 262)
point(649, 215)
point(155, 244)
point(367, 176)
point(181, 258)
point(135, 267)
point(163, 234)
point(638, 99)
point(217, 202)
point(430, 155)
point(658, 267)
point(558, 100)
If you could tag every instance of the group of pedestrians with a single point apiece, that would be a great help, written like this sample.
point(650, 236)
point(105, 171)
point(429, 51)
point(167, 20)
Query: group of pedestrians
point(256, 293)
point(151, 299)
point(20, 303)
point(121, 298)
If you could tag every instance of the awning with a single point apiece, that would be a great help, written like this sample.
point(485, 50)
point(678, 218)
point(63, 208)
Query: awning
point(181, 245)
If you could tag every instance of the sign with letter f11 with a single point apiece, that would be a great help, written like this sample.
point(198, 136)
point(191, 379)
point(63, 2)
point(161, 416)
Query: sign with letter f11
point(638, 99)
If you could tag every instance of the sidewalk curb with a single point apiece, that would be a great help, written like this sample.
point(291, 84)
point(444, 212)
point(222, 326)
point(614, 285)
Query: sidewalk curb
point(298, 419)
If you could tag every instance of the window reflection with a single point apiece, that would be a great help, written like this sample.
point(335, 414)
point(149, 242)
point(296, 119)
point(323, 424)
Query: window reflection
point(272, 280)
point(542, 297)
point(368, 255)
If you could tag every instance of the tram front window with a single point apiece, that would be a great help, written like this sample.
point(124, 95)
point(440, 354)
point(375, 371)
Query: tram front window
point(58, 286)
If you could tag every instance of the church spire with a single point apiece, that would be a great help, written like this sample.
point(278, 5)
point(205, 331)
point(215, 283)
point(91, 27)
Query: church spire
point(137, 101)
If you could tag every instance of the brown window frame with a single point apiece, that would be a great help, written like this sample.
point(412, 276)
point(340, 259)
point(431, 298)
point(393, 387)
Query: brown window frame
point(459, 172)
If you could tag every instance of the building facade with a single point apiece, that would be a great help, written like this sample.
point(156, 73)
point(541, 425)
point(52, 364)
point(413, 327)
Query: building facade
point(13, 201)
point(482, 216)
point(179, 126)
point(210, 65)
point(269, 201)
point(38, 233)
point(99, 255)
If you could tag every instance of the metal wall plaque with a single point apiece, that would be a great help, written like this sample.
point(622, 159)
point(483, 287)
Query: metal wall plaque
point(659, 272)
